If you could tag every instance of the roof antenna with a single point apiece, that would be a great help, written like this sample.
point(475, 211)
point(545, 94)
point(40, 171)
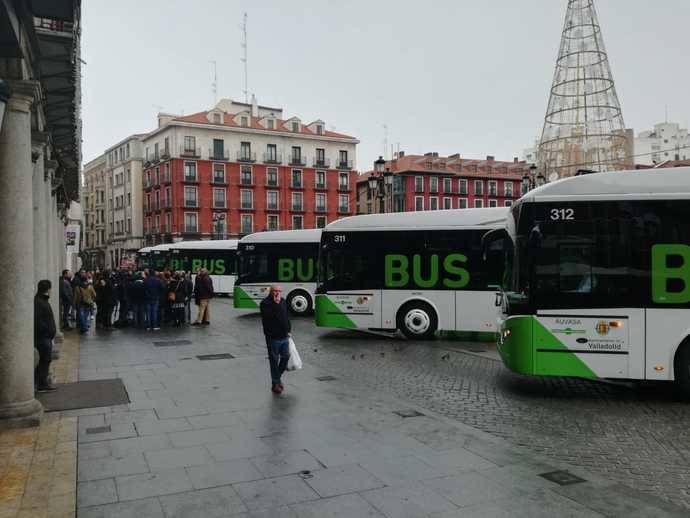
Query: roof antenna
point(244, 56)
point(214, 83)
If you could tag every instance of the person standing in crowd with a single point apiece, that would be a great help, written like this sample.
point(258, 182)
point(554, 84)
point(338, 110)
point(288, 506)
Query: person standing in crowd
point(121, 292)
point(84, 297)
point(203, 293)
point(66, 298)
point(164, 303)
point(44, 332)
point(176, 297)
point(152, 295)
point(189, 291)
point(276, 324)
point(136, 298)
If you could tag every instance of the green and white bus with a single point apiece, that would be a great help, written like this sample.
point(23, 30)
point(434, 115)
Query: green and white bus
point(600, 278)
point(219, 257)
point(153, 257)
point(418, 272)
point(285, 257)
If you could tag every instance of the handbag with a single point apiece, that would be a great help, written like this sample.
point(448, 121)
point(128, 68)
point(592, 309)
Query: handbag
point(294, 362)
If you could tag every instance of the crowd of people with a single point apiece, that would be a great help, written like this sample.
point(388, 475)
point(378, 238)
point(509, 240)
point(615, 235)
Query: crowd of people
point(144, 299)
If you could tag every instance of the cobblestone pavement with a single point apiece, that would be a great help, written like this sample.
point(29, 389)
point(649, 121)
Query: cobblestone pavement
point(638, 436)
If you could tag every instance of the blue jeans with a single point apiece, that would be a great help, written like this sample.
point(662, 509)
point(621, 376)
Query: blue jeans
point(278, 356)
point(152, 313)
point(84, 318)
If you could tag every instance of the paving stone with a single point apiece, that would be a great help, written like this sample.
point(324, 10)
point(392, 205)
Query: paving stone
point(456, 459)
point(210, 503)
point(239, 449)
point(177, 458)
point(223, 473)
point(117, 431)
point(275, 492)
point(401, 470)
point(408, 501)
point(197, 437)
point(221, 420)
point(96, 493)
point(135, 487)
point(344, 506)
point(342, 479)
point(109, 467)
point(148, 508)
point(281, 512)
point(285, 463)
point(134, 445)
point(94, 450)
point(168, 412)
point(161, 426)
point(470, 488)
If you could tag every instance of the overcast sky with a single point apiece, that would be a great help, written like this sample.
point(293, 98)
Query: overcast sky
point(453, 76)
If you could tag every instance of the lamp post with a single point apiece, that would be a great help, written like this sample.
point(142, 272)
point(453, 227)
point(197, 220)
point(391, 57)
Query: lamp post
point(380, 181)
point(4, 97)
point(218, 220)
point(532, 179)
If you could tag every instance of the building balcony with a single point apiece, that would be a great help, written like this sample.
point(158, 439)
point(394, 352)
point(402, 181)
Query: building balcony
point(273, 158)
point(190, 179)
point(344, 187)
point(190, 153)
point(297, 207)
point(343, 210)
point(344, 164)
point(320, 186)
point(165, 154)
point(148, 210)
point(217, 180)
point(271, 183)
point(219, 155)
point(298, 161)
point(191, 204)
point(147, 185)
point(322, 162)
point(165, 204)
point(246, 157)
point(246, 206)
point(166, 179)
point(218, 204)
point(272, 206)
point(320, 208)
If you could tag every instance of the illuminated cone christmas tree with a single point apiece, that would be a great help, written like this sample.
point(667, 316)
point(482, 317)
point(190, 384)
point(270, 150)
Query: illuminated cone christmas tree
point(583, 127)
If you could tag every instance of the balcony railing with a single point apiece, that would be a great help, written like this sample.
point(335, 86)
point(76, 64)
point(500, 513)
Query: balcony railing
point(271, 182)
point(271, 206)
point(273, 158)
point(190, 230)
point(191, 204)
point(166, 178)
point(297, 207)
point(298, 160)
point(218, 180)
point(246, 181)
point(221, 155)
point(190, 152)
point(165, 154)
point(322, 162)
point(320, 208)
point(246, 156)
point(344, 186)
point(344, 164)
point(296, 185)
point(320, 185)
point(165, 204)
point(189, 178)
point(344, 209)
point(218, 204)
point(246, 205)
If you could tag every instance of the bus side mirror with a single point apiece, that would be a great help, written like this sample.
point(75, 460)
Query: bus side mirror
point(492, 237)
point(498, 301)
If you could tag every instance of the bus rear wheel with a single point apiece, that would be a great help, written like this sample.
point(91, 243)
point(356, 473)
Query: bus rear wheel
point(681, 369)
point(417, 320)
point(299, 302)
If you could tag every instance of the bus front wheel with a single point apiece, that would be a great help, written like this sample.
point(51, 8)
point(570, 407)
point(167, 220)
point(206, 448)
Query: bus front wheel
point(299, 302)
point(417, 320)
point(681, 369)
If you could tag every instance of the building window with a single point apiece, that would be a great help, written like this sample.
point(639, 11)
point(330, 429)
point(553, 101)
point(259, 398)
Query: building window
point(319, 129)
point(129, 199)
point(433, 203)
point(342, 159)
point(418, 184)
point(189, 144)
point(168, 225)
point(127, 152)
point(462, 203)
point(272, 200)
point(272, 177)
point(190, 222)
point(297, 199)
point(296, 155)
point(246, 175)
point(166, 146)
point(478, 204)
point(244, 121)
point(320, 180)
point(168, 197)
point(447, 185)
point(272, 222)
point(245, 151)
point(508, 188)
point(271, 153)
point(462, 186)
point(493, 203)
point(344, 181)
point(478, 187)
point(297, 222)
point(271, 124)
point(155, 151)
point(343, 203)
point(216, 118)
point(447, 203)
point(295, 127)
point(190, 197)
point(433, 184)
point(190, 171)
point(246, 224)
point(296, 179)
point(493, 188)
point(129, 224)
point(419, 203)
point(218, 198)
point(218, 149)
point(320, 202)
point(508, 203)
point(246, 199)
point(320, 221)
point(524, 188)
point(218, 173)
point(158, 223)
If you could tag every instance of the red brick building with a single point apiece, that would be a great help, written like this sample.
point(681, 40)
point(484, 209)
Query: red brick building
point(431, 182)
point(241, 168)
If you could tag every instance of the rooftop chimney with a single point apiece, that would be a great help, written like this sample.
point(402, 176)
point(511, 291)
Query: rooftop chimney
point(455, 156)
point(489, 158)
point(255, 107)
point(515, 160)
point(165, 118)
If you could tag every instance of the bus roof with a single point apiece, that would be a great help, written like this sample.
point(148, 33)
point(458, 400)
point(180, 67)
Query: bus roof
point(156, 248)
point(284, 236)
point(216, 244)
point(493, 217)
point(614, 185)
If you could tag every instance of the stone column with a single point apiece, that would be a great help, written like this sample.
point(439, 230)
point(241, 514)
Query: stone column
point(40, 204)
point(18, 407)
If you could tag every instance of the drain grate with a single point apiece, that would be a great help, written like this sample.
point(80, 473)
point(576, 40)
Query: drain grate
point(408, 413)
point(562, 478)
point(220, 356)
point(325, 378)
point(98, 429)
point(172, 343)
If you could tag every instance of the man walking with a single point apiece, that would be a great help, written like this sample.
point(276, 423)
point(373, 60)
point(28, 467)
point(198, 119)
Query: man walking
point(66, 298)
point(152, 294)
point(44, 332)
point(203, 293)
point(276, 324)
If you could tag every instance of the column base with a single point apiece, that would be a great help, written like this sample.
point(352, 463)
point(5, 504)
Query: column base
point(21, 415)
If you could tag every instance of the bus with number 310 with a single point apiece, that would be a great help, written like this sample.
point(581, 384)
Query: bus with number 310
point(600, 278)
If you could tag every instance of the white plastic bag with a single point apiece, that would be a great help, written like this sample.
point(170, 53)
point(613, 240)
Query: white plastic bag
point(294, 362)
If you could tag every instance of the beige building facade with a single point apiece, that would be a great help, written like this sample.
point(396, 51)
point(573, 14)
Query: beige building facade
point(94, 213)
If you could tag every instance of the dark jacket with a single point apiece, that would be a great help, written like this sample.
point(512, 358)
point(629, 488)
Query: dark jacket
point(275, 319)
point(65, 292)
point(203, 287)
point(136, 291)
point(152, 289)
point(44, 322)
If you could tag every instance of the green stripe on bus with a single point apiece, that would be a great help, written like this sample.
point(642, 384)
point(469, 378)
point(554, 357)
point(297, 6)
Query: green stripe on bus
point(328, 314)
point(241, 300)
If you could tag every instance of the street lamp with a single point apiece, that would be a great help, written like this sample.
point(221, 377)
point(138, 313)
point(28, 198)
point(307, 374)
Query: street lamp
point(380, 181)
point(532, 179)
point(4, 97)
point(218, 220)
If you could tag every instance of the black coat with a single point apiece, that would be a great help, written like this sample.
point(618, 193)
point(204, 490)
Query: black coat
point(275, 319)
point(44, 321)
point(203, 287)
